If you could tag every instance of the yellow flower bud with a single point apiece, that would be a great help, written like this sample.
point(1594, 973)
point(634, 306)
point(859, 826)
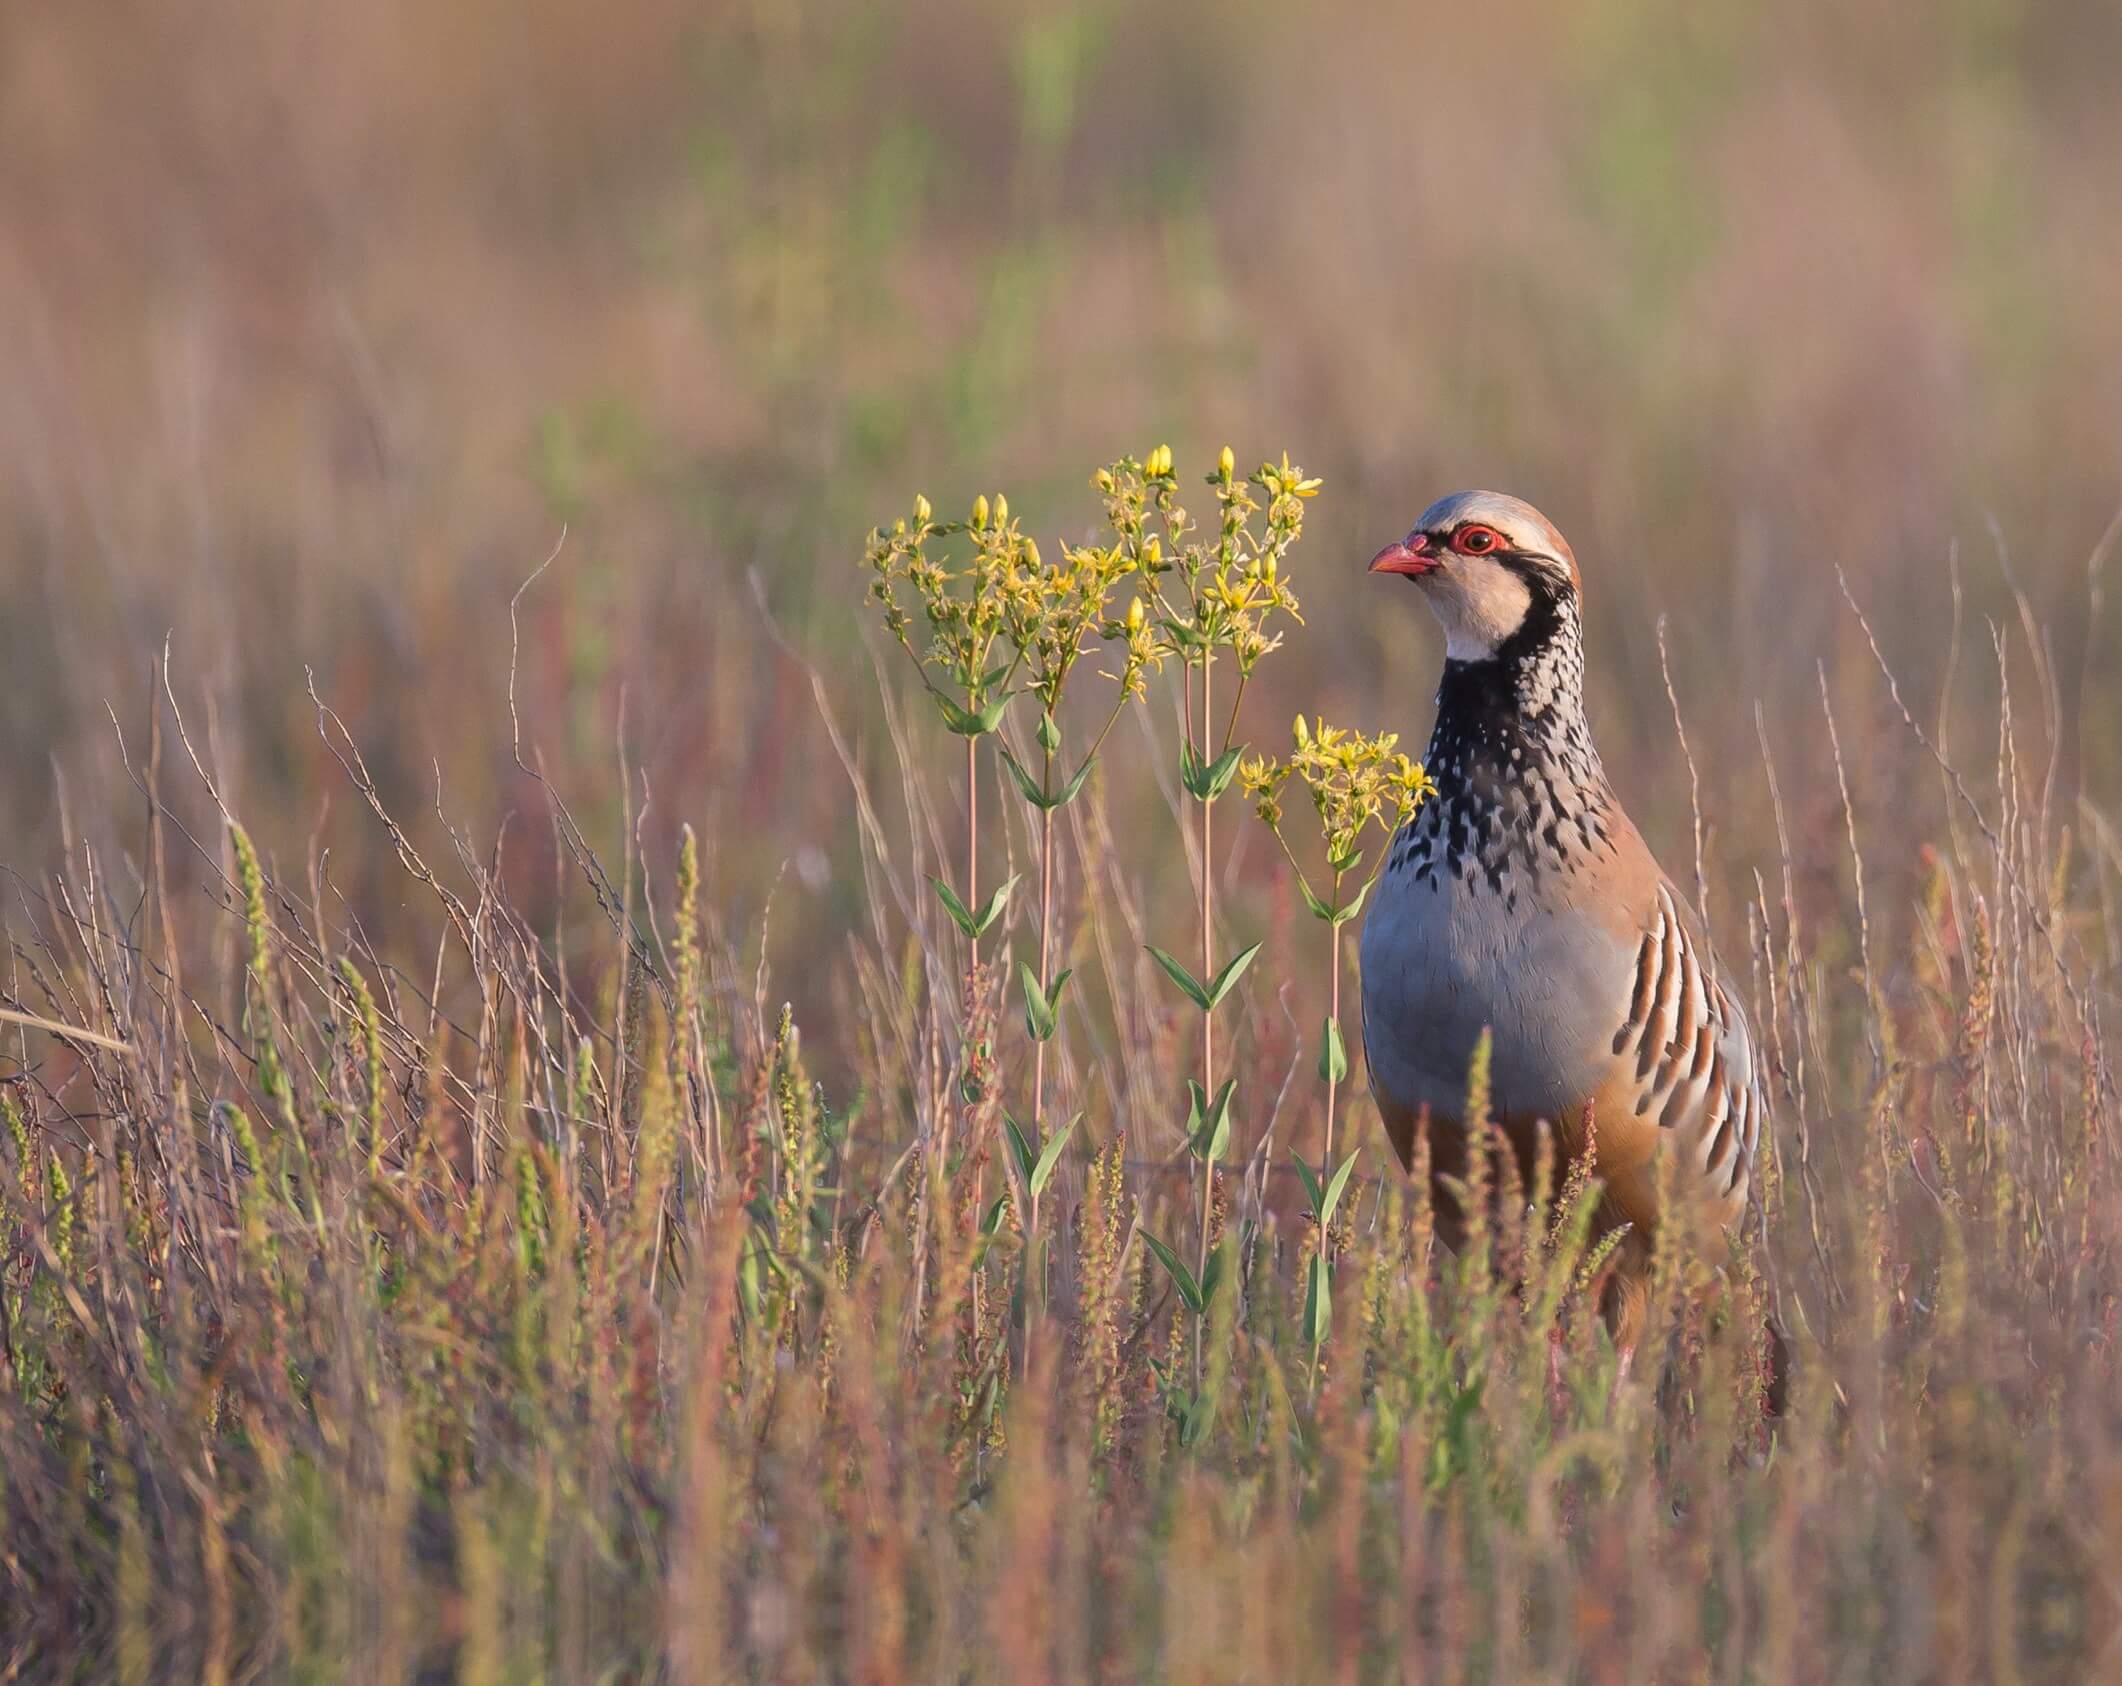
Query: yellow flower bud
point(980, 511)
point(1303, 733)
point(1001, 510)
point(921, 509)
point(1031, 553)
point(1135, 616)
point(1227, 463)
point(1152, 551)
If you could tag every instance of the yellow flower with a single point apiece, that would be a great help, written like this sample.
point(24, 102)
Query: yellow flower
point(1354, 782)
point(1226, 464)
point(980, 512)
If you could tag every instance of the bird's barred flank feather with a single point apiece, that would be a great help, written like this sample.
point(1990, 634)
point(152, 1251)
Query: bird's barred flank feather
point(1680, 1018)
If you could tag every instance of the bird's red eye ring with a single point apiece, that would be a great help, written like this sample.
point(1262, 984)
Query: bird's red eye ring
point(1476, 540)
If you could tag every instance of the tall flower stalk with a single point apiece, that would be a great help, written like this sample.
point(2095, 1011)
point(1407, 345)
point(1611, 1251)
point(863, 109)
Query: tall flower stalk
point(1215, 595)
point(1005, 623)
point(1055, 613)
point(1355, 783)
point(966, 665)
point(965, 661)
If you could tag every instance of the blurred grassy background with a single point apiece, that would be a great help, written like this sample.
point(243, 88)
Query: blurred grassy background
point(318, 324)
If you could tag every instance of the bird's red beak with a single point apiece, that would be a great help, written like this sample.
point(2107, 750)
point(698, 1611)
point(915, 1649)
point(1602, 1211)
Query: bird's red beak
point(1412, 556)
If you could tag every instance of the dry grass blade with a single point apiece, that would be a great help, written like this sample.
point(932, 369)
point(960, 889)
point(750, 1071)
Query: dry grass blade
point(66, 1032)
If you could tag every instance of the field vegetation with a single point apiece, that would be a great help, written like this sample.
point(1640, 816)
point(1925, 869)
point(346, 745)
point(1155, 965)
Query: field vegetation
point(677, 1000)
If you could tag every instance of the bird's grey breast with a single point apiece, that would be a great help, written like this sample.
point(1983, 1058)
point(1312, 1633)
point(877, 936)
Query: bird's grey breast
point(1448, 953)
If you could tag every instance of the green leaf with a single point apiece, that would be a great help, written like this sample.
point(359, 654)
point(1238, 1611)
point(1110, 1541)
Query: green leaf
point(1318, 1301)
point(750, 1285)
point(990, 1224)
point(1312, 1190)
point(1208, 1122)
point(1206, 782)
point(1050, 1156)
point(1320, 909)
point(971, 923)
point(1233, 970)
point(1354, 905)
point(974, 723)
point(1457, 1445)
point(1222, 770)
point(1181, 976)
point(1042, 1008)
point(1211, 1275)
point(991, 909)
point(1335, 1189)
point(1019, 1148)
point(1027, 786)
point(1067, 793)
point(1333, 1054)
point(958, 911)
point(1182, 1278)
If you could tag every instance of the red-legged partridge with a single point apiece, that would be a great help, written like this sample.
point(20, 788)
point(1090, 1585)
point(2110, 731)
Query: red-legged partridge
point(1521, 899)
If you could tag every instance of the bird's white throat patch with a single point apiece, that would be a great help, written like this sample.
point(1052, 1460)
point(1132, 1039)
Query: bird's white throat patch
point(1479, 603)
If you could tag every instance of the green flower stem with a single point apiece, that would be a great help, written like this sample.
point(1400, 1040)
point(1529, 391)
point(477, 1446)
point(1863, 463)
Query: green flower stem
point(1111, 720)
point(1034, 1255)
point(972, 958)
point(1230, 728)
point(1333, 1009)
point(1208, 970)
point(1333, 1013)
point(972, 844)
point(1046, 971)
